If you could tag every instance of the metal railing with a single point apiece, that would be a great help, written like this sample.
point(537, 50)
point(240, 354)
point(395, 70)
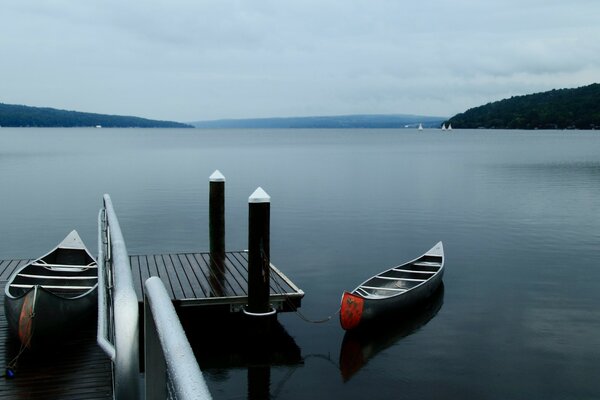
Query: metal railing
point(172, 371)
point(118, 315)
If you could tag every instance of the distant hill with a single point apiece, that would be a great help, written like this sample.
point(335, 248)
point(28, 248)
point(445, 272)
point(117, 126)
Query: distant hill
point(557, 109)
point(342, 121)
point(23, 116)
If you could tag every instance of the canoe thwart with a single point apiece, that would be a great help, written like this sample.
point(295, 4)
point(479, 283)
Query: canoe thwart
point(32, 276)
point(65, 267)
point(23, 286)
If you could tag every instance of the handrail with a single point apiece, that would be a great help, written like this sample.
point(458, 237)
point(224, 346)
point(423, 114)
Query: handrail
point(168, 354)
point(114, 269)
point(103, 338)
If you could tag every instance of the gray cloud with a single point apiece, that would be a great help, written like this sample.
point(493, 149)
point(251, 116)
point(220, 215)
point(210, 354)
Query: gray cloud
point(189, 60)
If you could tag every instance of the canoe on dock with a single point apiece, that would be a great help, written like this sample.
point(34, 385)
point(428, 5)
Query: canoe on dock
point(392, 290)
point(48, 297)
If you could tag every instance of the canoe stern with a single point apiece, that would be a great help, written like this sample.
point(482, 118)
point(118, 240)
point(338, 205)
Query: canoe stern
point(351, 310)
point(25, 329)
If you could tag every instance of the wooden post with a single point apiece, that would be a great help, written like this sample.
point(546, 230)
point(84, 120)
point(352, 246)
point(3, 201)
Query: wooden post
point(259, 382)
point(259, 265)
point(217, 232)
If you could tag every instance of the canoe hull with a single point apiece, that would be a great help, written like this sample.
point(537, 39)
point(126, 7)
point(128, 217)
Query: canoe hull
point(353, 316)
point(47, 299)
point(40, 317)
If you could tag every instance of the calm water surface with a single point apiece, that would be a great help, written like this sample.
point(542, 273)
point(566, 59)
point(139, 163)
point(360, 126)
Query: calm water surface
point(518, 212)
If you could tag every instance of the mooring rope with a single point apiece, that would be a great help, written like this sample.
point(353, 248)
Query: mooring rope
point(302, 316)
point(11, 367)
point(315, 321)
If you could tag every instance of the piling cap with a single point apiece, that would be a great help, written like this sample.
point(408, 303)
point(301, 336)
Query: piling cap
point(259, 196)
point(217, 176)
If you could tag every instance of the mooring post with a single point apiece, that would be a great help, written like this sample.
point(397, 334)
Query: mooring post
point(259, 381)
point(259, 265)
point(217, 232)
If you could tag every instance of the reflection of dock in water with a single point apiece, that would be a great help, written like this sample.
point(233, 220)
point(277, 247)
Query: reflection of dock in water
point(226, 342)
point(229, 343)
point(358, 347)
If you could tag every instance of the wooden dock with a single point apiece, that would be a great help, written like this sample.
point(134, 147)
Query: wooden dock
point(191, 280)
point(219, 282)
point(80, 369)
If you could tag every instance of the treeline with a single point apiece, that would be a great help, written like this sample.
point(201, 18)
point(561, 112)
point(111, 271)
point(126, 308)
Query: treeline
point(556, 109)
point(25, 116)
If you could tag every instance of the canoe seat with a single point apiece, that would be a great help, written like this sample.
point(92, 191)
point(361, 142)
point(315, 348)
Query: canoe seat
point(383, 288)
point(363, 291)
point(413, 271)
point(369, 295)
point(374, 296)
point(427, 264)
point(22, 286)
point(64, 267)
point(389, 278)
point(32, 276)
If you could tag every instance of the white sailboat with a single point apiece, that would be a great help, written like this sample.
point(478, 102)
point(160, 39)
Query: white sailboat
point(420, 128)
point(449, 127)
point(443, 127)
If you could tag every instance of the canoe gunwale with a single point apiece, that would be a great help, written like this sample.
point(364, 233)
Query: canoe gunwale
point(435, 251)
point(38, 262)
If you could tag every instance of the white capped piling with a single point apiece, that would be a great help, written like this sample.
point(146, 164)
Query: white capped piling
point(259, 215)
point(217, 215)
point(217, 231)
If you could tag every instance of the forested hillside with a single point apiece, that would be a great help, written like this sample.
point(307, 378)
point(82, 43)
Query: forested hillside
point(23, 116)
point(557, 109)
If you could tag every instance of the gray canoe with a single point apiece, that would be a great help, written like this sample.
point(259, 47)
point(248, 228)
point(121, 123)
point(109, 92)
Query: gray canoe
point(394, 289)
point(48, 298)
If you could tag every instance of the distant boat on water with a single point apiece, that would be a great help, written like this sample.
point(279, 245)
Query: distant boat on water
point(443, 127)
point(449, 127)
point(420, 128)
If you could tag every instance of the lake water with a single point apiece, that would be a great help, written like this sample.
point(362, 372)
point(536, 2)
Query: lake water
point(518, 212)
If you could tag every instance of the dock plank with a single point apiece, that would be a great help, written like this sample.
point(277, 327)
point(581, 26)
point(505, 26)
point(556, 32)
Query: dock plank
point(136, 276)
point(201, 290)
point(218, 286)
point(144, 274)
point(278, 283)
point(190, 276)
point(173, 275)
point(175, 263)
point(239, 277)
point(157, 269)
point(10, 267)
point(222, 283)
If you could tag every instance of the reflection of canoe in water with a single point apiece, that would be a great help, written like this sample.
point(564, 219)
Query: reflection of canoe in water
point(50, 296)
point(397, 288)
point(360, 345)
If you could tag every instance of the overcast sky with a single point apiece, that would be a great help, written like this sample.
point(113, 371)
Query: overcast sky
point(188, 60)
